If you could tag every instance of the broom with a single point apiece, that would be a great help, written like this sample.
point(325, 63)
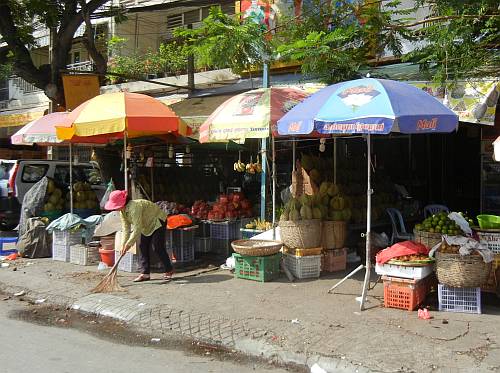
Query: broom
point(110, 283)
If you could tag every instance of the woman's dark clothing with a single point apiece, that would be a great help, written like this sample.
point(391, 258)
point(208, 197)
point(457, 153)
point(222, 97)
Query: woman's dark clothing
point(155, 242)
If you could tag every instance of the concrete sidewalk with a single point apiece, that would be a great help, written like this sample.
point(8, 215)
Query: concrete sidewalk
point(284, 322)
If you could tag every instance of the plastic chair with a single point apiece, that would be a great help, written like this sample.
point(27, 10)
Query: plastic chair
point(434, 209)
point(399, 232)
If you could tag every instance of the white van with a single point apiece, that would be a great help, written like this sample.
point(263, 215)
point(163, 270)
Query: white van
point(23, 174)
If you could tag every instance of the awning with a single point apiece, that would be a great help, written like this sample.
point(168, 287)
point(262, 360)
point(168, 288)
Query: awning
point(19, 118)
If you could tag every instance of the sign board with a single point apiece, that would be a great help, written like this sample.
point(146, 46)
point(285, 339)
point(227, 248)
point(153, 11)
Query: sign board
point(79, 88)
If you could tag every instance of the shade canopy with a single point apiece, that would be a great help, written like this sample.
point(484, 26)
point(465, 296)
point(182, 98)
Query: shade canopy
point(251, 114)
point(368, 106)
point(115, 114)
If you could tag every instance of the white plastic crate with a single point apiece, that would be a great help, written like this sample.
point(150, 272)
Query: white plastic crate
point(60, 253)
point(225, 230)
point(129, 263)
point(66, 238)
point(493, 240)
point(183, 254)
point(303, 266)
point(392, 270)
point(83, 255)
point(202, 244)
point(466, 300)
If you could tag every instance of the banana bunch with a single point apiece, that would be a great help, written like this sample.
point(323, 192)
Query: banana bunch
point(259, 224)
point(239, 166)
point(253, 168)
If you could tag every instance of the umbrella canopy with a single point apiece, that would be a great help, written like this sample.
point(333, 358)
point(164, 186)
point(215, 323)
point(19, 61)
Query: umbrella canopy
point(368, 106)
point(42, 131)
point(116, 114)
point(250, 114)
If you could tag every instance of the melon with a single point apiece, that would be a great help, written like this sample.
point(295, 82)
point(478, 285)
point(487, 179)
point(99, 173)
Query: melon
point(294, 215)
point(306, 212)
point(316, 213)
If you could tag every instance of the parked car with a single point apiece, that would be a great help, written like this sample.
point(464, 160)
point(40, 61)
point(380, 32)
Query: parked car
point(17, 177)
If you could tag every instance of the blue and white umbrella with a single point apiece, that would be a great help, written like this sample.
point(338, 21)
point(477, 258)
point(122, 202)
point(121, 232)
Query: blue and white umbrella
point(368, 106)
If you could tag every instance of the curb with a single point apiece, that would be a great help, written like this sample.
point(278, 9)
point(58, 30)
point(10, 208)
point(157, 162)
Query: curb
point(163, 320)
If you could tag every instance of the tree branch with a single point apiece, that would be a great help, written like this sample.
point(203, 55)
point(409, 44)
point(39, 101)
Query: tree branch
point(442, 18)
point(97, 57)
point(23, 66)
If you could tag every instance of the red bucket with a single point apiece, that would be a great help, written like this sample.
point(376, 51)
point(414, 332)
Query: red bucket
point(107, 257)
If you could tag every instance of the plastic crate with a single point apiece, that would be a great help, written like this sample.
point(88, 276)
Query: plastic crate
point(334, 260)
point(303, 252)
point(203, 229)
point(246, 234)
point(83, 255)
point(225, 230)
point(221, 246)
point(67, 238)
point(202, 244)
point(257, 268)
point(405, 294)
point(303, 266)
point(492, 239)
point(8, 245)
point(129, 263)
point(181, 244)
point(465, 300)
point(392, 270)
point(60, 253)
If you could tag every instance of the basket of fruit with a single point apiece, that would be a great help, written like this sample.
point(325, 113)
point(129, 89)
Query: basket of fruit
point(460, 271)
point(429, 232)
point(256, 247)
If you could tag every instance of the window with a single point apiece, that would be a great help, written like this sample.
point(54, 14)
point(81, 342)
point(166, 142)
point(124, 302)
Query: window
point(33, 173)
point(80, 174)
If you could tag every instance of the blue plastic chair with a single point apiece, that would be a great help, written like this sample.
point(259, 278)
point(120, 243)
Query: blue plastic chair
point(430, 210)
point(399, 232)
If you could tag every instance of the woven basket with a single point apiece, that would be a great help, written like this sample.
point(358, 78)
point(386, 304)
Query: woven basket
point(461, 271)
point(334, 234)
point(427, 239)
point(302, 234)
point(256, 247)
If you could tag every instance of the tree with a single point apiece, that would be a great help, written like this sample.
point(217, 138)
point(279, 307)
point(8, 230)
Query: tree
point(18, 21)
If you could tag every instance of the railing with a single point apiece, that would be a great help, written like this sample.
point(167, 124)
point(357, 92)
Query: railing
point(82, 66)
point(23, 85)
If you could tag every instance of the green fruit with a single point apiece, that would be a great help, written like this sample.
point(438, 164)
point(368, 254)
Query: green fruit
point(333, 190)
point(337, 203)
point(346, 214)
point(306, 212)
point(294, 215)
point(323, 188)
point(325, 200)
point(315, 176)
point(316, 213)
point(306, 162)
point(431, 230)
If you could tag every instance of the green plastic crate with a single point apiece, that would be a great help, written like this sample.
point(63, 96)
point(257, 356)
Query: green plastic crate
point(257, 268)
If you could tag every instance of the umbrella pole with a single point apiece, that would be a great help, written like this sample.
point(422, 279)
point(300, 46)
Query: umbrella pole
point(70, 177)
point(335, 160)
point(293, 154)
point(125, 165)
point(273, 150)
point(369, 192)
point(263, 179)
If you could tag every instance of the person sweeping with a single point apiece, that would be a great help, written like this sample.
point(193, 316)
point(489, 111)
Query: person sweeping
point(149, 223)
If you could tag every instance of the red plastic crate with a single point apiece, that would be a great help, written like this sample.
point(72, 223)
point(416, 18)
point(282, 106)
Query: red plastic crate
point(405, 294)
point(334, 260)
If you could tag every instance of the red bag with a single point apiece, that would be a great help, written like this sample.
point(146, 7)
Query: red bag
point(177, 221)
point(401, 249)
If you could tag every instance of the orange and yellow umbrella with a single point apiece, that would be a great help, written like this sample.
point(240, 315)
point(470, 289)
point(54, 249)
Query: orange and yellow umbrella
point(119, 115)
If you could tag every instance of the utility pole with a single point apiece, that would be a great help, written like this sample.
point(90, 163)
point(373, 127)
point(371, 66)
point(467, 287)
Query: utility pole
point(190, 68)
point(53, 74)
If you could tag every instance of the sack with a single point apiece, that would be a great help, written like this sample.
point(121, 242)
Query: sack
point(178, 221)
point(105, 197)
point(302, 183)
point(35, 242)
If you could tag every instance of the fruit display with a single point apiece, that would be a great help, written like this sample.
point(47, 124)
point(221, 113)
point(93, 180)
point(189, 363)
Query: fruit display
point(54, 198)
point(94, 177)
point(228, 206)
point(83, 197)
point(440, 223)
point(250, 167)
point(172, 208)
point(446, 248)
point(259, 224)
point(328, 204)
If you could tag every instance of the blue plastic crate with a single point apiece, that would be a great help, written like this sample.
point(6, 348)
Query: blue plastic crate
point(8, 245)
point(225, 230)
point(466, 300)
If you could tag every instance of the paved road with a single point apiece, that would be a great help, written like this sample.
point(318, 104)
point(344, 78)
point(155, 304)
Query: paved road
point(28, 347)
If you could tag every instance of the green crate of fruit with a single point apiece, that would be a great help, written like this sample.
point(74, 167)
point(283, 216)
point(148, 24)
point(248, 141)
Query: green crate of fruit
point(257, 268)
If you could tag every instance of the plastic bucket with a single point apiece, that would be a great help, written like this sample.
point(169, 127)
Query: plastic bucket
point(107, 257)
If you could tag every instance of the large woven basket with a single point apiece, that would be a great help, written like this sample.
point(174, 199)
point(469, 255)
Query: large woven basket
point(334, 234)
point(256, 247)
point(427, 239)
point(459, 271)
point(302, 234)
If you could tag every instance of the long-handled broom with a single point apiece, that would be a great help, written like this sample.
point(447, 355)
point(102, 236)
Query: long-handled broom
point(110, 283)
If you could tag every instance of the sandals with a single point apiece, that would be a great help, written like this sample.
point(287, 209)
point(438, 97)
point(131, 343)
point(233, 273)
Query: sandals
point(141, 278)
point(168, 276)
